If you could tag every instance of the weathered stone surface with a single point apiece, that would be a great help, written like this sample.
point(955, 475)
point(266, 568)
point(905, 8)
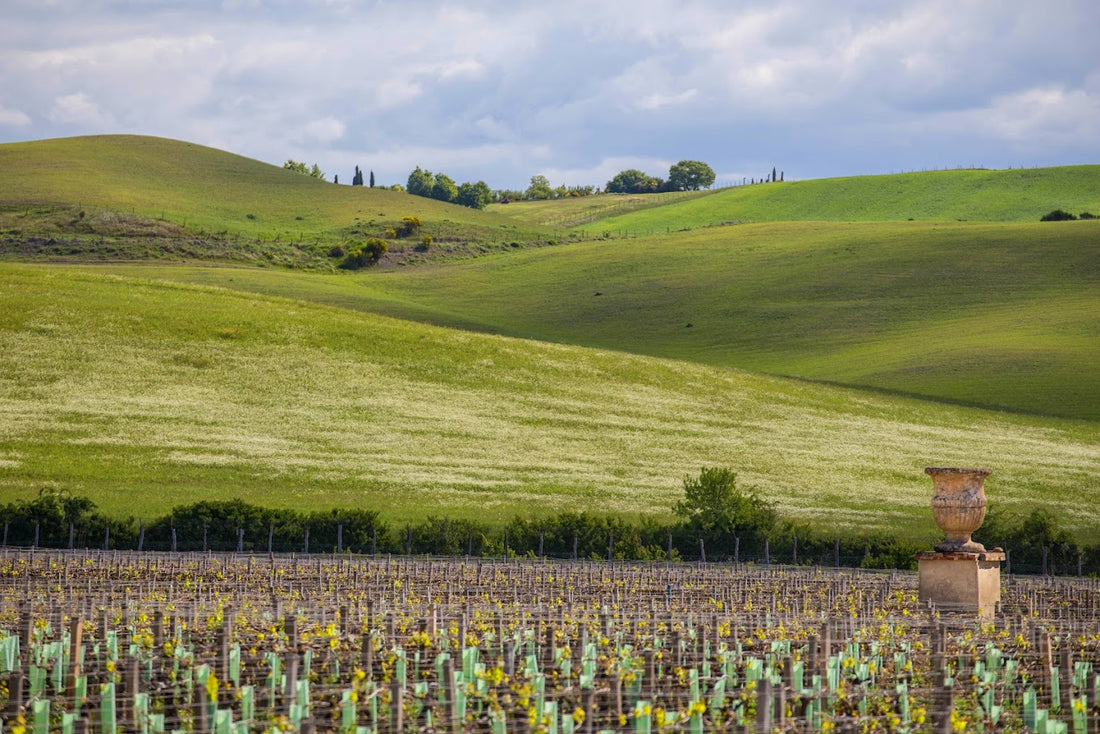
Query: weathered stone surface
point(961, 582)
point(958, 505)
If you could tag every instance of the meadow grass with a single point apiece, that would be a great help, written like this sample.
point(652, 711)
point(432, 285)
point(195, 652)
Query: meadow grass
point(1016, 195)
point(142, 395)
point(208, 192)
point(1000, 315)
point(576, 211)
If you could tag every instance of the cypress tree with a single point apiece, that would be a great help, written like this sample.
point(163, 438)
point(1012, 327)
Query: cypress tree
point(372, 179)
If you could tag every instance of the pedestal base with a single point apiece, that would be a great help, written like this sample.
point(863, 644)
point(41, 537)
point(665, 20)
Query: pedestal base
point(961, 582)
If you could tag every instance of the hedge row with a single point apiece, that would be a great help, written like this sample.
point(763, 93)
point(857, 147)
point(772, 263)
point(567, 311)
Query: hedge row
point(57, 520)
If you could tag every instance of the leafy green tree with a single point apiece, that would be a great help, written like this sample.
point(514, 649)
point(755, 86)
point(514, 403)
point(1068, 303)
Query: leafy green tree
point(717, 510)
point(690, 176)
point(506, 195)
point(474, 195)
point(420, 182)
point(444, 188)
point(633, 181)
point(539, 188)
point(300, 167)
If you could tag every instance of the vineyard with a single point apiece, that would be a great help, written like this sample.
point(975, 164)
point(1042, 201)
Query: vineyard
point(94, 641)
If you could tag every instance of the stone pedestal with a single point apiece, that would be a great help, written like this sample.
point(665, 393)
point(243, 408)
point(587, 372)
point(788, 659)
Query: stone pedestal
point(961, 582)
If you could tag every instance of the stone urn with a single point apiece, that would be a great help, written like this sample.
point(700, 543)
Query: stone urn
point(958, 506)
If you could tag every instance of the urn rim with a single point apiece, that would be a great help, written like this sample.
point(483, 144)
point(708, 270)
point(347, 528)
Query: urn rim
point(983, 471)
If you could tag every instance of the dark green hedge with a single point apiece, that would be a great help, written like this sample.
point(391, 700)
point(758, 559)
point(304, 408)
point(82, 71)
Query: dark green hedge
point(63, 521)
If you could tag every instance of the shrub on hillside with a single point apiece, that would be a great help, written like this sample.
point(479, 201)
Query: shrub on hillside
point(369, 253)
point(1057, 216)
point(1087, 215)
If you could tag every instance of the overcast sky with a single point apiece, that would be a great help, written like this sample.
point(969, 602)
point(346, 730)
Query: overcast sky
point(573, 90)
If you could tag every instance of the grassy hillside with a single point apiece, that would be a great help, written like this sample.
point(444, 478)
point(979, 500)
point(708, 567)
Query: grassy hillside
point(1002, 315)
point(192, 202)
point(1018, 195)
point(142, 395)
point(581, 210)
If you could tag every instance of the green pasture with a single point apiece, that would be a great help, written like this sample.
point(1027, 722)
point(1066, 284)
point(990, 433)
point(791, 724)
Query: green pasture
point(576, 211)
point(128, 185)
point(142, 394)
point(999, 315)
point(1015, 195)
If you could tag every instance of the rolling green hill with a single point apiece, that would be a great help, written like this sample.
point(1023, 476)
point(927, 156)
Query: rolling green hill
point(143, 395)
point(1001, 315)
point(286, 388)
point(134, 197)
point(1017, 195)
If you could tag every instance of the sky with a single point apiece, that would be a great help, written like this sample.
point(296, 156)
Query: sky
point(572, 90)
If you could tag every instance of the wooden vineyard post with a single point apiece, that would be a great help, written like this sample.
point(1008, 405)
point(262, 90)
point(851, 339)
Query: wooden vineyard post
point(451, 705)
point(225, 634)
point(764, 706)
point(202, 717)
point(397, 707)
point(650, 679)
point(941, 693)
point(76, 642)
point(548, 657)
point(15, 695)
point(508, 651)
point(366, 655)
point(588, 705)
point(129, 696)
point(1046, 661)
point(290, 693)
point(26, 632)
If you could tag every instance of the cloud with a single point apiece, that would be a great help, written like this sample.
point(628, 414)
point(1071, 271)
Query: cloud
point(13, 118)
point(657, 100)
point(579, 88)
point(1036, 119)
point(76, 109)
point(458, 68)
point(325, 130)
